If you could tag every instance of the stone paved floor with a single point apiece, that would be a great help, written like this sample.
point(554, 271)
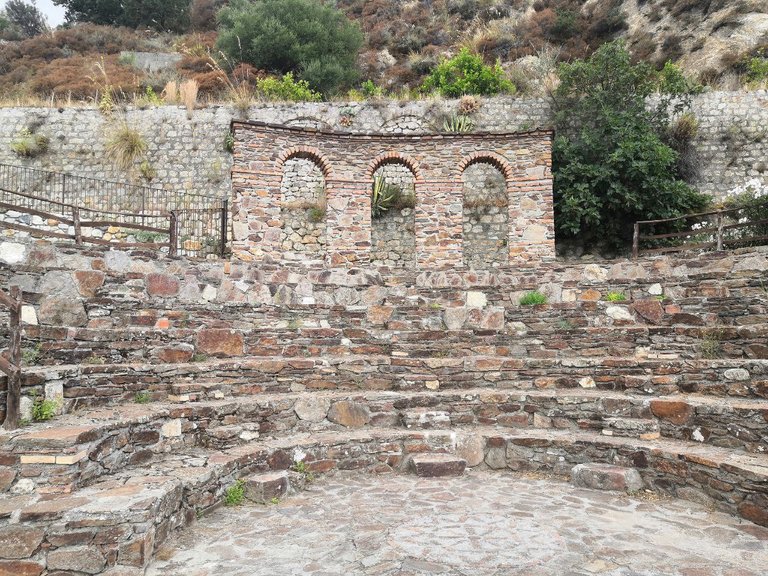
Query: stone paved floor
point(481, 524)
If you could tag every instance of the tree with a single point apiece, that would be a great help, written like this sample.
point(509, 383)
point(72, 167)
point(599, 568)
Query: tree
point(163, 15)
point(466, 73)
point(611, 167)
point(316, 43)
point(26, 18)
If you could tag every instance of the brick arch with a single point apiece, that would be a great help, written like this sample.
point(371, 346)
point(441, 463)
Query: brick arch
point(309, 153)
point(394, 158)
point(491, 158)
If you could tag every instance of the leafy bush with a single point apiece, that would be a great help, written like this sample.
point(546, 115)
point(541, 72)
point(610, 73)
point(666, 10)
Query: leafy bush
point(611, 167)
point(386, 196)
point(29, 145)
point(312, 40)
point(533, 298)
point(287, 89)
point(43, 409)
point(466, 73)
point(458, 124)
point(235, 494)
point(162, 15)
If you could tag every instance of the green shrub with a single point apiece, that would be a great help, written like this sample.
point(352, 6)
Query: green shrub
point(43, 409)
point(315, 41)
point(29, 145)
point(533, 298)
point(615, 297)
point(229, 142)
point(31, 356)
point(466, 73)
point(142, 397)
point(235, 494)
point(757, 69)
point(386, 196)
point(611, 167)
point(286, 89)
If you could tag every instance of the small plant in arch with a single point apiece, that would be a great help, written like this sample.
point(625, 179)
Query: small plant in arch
point(533, 298)
point(43, 410)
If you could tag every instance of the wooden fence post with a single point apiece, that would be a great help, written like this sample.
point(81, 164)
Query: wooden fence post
point(719, 230)
point(636, 240)
point(13, 393)
point(173, 234)
point(224, 211)
point(76, 222)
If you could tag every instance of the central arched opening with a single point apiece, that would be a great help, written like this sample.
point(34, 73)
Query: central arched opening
point(393, 224)
point(485, 222)
point(303, 209)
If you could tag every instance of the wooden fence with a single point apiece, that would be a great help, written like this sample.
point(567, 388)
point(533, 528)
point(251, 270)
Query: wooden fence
point(10, 360)
point(717, 231)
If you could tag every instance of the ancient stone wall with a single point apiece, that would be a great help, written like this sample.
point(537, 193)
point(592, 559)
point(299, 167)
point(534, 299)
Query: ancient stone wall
point(188, 153)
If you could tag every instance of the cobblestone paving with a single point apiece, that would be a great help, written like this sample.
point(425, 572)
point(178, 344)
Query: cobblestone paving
point(481, 524)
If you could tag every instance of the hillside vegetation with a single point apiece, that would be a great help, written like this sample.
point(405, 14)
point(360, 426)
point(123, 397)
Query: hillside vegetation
point(722, 42)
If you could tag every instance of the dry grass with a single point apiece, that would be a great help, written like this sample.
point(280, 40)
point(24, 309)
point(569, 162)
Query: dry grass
point(125, 147)
point(188, 95)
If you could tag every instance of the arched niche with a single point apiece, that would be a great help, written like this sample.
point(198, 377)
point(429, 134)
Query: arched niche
point(303, 208)
point(393, 231)
point(485, 222)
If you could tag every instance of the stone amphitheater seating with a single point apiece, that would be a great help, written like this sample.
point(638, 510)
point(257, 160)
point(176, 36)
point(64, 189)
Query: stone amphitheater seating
point(250, 369)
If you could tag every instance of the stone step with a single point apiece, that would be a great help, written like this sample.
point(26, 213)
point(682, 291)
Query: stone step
point(266, 487)
point(646, 429)
point(606, 477)
point(437, 465)
point(136, 509)
point(76, 449)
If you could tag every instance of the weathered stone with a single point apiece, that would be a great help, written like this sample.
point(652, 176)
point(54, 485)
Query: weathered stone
point(651, 310)
point(594, 273)
point(88, 282)
point(755, 510)
point(655, 290)
point(606, 477)
point(137, 552)
point(349, 414)
point(619, 313)
point(379, 314)
point(587, 382)
point(12, 252)
point(737, 374)
point(455, 317)
point(62, 311)
point(436, 465)
point(175, 354)
point(77, 559)
point(262, 488)
point(19, 541)
point(470, 447)
point(218, 342)
point(29, 315)
point(7, 476)
point(312, 409)
point(496, 459)
point(162, 285)
point(20, 568)
point(476, 299)
point(676, 412)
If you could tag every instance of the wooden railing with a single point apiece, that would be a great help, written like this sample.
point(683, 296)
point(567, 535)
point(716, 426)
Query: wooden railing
point(10, 360)
point(73, 216)
point(717, 229)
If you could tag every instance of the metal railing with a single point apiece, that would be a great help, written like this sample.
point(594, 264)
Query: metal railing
point(718, 230)
point(198, 222)
point(10, 360)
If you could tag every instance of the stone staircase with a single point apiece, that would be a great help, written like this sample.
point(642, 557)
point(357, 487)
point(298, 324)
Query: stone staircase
point(270, 375)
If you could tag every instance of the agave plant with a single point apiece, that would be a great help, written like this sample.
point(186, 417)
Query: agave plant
point(458, 124)
point(382, 196)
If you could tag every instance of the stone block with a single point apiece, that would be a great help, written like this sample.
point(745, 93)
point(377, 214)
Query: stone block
point(20, 568)
point(219, 342)
point(175, 354)
point(162, 285)
point(312, 409)
point(606, 477)
point(138, 551)
point(19, 541)
point(349, 414)
point(470, 447)
point(88, 282)
point(85, 559)
point(262, 488)
point(436, 465)
point(673, 411)
point(650, 310)
point(62, 311)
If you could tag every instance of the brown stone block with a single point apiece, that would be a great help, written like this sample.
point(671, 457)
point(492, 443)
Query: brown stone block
point(162, 285)
point(88, 282)
point(675, 412)
point(437, 465)
point(755, 511)
point(218, 342)
point(85, 559)
point(349, 414)
point(19, 541)
point(20, 568)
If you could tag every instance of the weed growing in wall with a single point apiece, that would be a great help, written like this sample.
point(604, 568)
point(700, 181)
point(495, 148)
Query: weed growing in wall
point(614, 296)
point(29, 145)
point(533, 298)
point(235, 494)
point(126, 146)
point(43, 409)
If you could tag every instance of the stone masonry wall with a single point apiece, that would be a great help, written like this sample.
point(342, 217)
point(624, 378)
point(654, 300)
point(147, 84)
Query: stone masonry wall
point(188, 153)
point(349, 161)
point(303, 211)
point(486, 216)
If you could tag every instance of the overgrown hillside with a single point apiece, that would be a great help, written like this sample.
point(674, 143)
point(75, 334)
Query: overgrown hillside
point(403, 41)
